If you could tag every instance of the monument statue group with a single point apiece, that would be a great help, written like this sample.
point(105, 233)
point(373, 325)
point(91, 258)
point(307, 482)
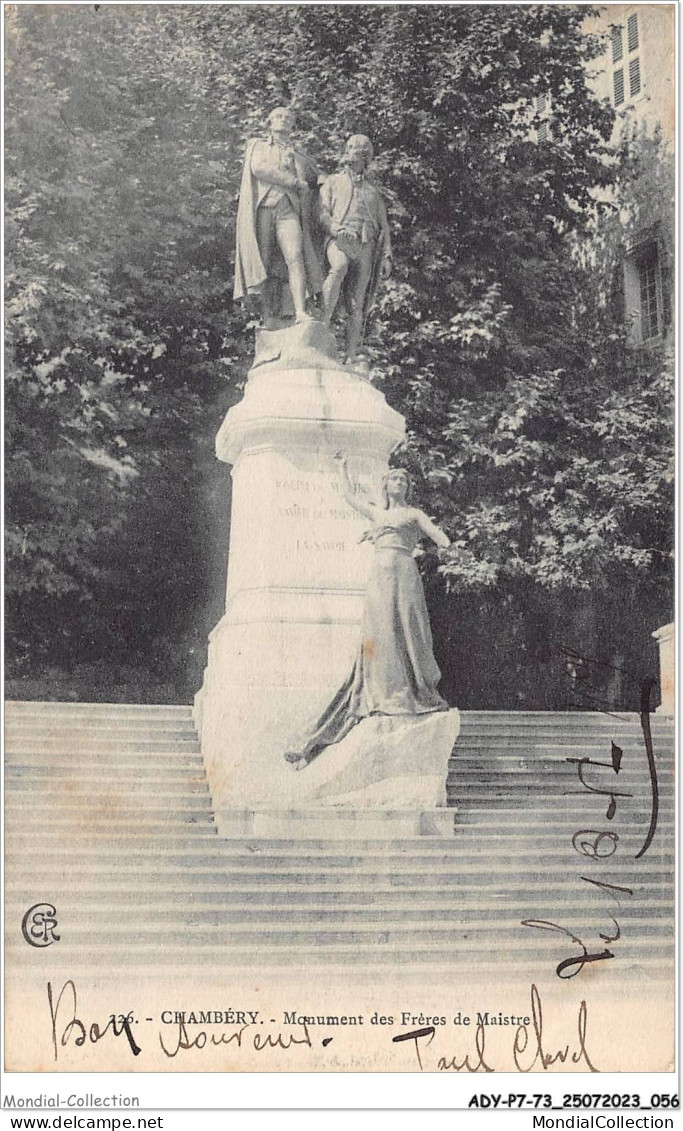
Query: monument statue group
point(323, 660)
point(281, 213)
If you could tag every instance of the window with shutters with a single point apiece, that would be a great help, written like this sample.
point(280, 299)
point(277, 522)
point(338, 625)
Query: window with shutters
point(634, 77)
point(626, 62)
point(632, 32)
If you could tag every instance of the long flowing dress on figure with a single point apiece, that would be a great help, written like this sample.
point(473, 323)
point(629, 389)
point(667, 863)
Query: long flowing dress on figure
point(394, 672)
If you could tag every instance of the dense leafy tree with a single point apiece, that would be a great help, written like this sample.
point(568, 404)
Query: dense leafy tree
point(536, 437)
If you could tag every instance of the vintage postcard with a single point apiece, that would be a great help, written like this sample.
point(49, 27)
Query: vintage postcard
point(339, 515)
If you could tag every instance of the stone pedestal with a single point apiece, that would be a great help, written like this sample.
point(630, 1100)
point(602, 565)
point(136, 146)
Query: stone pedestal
point(296, 570)
point(666, 639)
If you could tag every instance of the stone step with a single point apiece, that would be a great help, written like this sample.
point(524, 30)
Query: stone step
point(173, 833)
point(518, 794)
point(85, 805)
point(146, 811)
point(479, 810)
point(507, 830)
point(76, 761)
point(554, 758)
point(107, 827)
point(68, 842)
point(506, 896)
point(470, 720)
point(570, 723)
point(154, 785)
point(632, 959)
point(572, 729)
point(555, 754)
point(486, 801)
point(130, 817)
point(112, 745)
point(499, 731)
point(470, 779)
point(590, 739)
point(464, 902)
point(470, 820)
point(183, 835)
point(281, 895)
point(482, 806)
point(87, 801)
point(181, 867)
point(359, 970)
point(553, 804)
point(556, 747)
point(140, 830)
point(475, 798)
point(567, 716)
point(14, 707)
point(127, 906)
point(460, 768)
point(590, 745)
point(563, 774)
point(20, 724)
point(487, 782)
point(650, 934)
point(191, 835)
point(338, 876)
point(344, 854)
point(560, 734)
point(651, 939)
point(511, 787)
point(421, 845)
point(187, 866)
point(113, 775)
point(63, 724)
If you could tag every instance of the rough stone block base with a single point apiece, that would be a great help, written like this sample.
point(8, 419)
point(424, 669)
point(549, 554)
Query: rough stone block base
point(386, 762)
point(386, 779)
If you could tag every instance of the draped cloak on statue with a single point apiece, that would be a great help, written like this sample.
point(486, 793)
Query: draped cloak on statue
point(250, 270)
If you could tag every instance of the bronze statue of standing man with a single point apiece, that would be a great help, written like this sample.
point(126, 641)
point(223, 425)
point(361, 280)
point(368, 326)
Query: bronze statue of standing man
point(275, 255)
point(358, 248)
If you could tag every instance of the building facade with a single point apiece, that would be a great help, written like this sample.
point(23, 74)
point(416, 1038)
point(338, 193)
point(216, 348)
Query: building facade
point(637, 75)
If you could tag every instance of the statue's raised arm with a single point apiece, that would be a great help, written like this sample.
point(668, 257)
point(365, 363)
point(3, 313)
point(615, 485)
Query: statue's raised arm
point(351, 493)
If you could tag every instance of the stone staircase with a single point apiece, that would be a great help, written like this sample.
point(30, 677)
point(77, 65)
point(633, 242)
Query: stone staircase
point(108, 818)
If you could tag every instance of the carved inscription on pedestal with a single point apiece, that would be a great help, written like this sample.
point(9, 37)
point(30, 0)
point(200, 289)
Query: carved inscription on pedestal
point(314, 503)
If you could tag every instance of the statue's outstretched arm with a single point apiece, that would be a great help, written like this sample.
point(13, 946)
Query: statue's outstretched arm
point(432, 530)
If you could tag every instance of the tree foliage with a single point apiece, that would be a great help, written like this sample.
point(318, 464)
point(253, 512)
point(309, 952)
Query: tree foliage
point(536, 438)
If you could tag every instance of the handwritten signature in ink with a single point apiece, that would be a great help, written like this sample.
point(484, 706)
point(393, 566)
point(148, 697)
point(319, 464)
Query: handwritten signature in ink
point(599, 845)
point(529, 1049)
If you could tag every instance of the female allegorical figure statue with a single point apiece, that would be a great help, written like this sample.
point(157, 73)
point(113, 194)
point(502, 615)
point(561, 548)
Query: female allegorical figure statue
point(394, 672)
